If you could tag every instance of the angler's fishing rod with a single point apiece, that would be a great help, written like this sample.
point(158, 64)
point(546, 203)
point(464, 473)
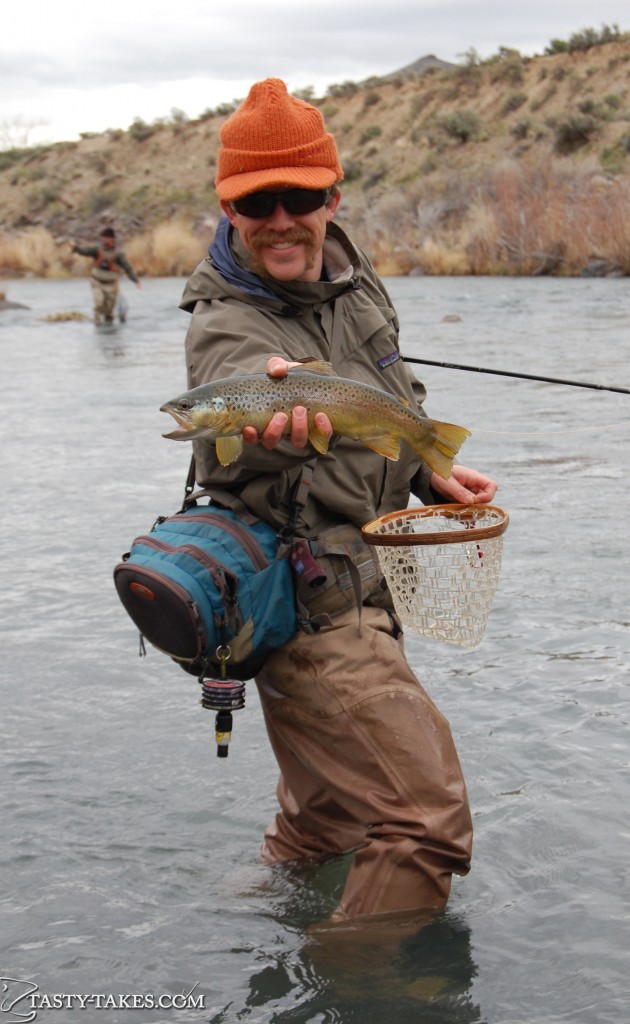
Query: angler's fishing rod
point(523, 376)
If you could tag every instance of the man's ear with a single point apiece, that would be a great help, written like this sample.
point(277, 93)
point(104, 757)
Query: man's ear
point(333, 202)
point(228, 211)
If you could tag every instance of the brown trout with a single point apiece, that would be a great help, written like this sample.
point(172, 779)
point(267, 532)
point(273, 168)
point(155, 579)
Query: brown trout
point(219, 410)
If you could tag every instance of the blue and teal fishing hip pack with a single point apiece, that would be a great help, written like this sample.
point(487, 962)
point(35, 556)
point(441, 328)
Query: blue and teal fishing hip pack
point(212, 588)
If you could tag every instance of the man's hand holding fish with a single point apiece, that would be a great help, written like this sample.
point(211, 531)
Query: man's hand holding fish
point(275, 430)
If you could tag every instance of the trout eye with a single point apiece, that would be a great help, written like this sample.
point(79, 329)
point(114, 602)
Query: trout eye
point(184, 405)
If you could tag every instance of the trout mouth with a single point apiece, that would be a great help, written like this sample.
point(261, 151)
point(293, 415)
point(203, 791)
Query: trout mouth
point(183, 421)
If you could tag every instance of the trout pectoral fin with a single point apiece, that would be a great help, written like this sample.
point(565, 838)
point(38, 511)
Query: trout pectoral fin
point(228, 449)
point(318, 439)
point(385, 444)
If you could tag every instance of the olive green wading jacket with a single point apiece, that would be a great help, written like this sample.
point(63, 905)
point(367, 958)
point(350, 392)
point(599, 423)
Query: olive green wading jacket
point(347, 320)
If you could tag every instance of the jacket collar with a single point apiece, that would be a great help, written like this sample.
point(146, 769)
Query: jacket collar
point(223, 255)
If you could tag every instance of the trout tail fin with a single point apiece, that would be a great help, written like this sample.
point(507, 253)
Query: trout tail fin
point(441, 446)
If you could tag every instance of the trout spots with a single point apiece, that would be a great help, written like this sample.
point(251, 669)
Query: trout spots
point(361, 412)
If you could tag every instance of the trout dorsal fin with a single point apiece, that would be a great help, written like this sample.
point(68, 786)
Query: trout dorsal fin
point(316, 366)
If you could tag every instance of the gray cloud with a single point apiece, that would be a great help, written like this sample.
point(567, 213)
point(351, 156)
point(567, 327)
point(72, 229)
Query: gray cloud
point(329, 38)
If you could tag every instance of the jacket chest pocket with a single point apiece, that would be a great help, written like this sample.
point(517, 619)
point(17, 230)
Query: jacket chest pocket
point(357, 323)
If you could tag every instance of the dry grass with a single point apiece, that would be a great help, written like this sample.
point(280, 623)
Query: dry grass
point(32, 251)
point(168, 250)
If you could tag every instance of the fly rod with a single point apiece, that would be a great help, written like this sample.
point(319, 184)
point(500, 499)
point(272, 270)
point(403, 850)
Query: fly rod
point(522, 376)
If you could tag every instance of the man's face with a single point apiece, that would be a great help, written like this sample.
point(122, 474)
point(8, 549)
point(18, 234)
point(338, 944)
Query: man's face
point(108, 242)
point(285, 246)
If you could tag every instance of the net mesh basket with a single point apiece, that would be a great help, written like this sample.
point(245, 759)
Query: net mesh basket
point(442, 565)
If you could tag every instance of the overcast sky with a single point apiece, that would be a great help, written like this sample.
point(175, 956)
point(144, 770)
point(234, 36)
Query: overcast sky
point(68, 67)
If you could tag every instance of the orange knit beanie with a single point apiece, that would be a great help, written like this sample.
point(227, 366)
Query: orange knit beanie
point(272, 141)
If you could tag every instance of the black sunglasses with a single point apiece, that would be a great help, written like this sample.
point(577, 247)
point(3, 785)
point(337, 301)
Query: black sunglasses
point(296, 201)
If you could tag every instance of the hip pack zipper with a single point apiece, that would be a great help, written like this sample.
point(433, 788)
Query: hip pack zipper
point(240, 533)
point(225, 580)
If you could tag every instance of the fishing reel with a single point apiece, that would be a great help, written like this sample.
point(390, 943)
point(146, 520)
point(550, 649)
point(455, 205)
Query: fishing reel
point(224, 696)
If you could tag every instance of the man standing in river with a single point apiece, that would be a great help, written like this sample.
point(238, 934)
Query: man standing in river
point(367, 761)
point(107, 263)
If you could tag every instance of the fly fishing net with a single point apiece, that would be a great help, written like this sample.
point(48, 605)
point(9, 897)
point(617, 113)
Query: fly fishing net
point(442, 565)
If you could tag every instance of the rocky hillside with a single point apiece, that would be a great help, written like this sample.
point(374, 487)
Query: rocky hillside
point(442, 164)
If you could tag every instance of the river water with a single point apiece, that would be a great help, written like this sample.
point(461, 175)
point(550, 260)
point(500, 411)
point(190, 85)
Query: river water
point(129, 851)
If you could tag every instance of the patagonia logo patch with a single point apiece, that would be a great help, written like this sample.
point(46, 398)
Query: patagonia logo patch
point(393, 357)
